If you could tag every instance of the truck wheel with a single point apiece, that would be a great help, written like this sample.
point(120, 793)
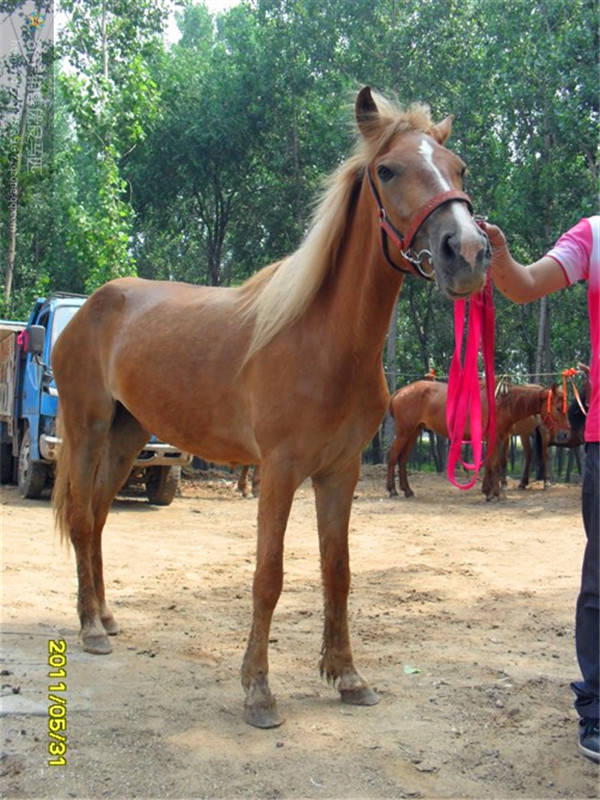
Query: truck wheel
point(161, 484)
point(6, 463)
point(31, 476)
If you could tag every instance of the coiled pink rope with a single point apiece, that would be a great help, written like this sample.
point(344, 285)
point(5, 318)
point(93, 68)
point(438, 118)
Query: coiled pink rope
point(464, 397)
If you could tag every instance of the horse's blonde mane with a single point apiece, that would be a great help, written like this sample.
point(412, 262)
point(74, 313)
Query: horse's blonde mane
point(279, 294)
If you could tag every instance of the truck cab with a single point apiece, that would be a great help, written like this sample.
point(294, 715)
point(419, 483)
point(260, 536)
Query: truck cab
point(29, 443)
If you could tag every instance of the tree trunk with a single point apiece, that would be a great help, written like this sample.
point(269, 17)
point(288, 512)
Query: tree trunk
point(13, 195)
point(376, 448)
point(389, 428)
point(298, 206)
point(104, 43)
point(542, 355)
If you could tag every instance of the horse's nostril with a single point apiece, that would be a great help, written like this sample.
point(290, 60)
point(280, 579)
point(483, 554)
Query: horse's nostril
point(449, 245)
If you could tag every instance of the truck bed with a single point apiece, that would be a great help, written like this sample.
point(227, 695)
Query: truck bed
point(8, 346)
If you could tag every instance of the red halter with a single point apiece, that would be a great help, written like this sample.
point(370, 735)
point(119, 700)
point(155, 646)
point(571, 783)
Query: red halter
point(404, 241)
point(547, 417)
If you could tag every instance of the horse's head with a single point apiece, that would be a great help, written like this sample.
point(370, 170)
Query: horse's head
point(417, 185)
point(553, 414)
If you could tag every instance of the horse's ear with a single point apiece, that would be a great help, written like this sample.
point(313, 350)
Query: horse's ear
point(441, 132)
point(366, 111)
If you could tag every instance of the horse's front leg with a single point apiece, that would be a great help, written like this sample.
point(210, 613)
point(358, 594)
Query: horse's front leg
point(491, 484)
point(333, 494)
point(276, 495)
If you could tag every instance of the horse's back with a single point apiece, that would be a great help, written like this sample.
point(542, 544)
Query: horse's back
point(168, 352)
point(131, 318)
point(421, 403)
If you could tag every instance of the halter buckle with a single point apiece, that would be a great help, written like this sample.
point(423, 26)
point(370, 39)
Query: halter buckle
point(417, 259)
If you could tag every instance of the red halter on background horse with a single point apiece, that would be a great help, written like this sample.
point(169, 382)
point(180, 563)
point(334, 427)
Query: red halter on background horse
point(272, 360)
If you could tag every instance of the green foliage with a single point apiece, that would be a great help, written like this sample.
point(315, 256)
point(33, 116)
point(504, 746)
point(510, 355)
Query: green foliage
point(110, 97)
point(200, 161)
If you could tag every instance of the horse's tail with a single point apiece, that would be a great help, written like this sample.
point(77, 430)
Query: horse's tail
point(391, 408)
point(61, 490)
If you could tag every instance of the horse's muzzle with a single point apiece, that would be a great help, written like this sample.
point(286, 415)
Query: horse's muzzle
point(461, 255)
point(461, 279)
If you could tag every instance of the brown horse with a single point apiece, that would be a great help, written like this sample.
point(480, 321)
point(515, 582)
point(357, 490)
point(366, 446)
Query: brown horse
point(422, 405)
point(272, 360)
point(533, 427)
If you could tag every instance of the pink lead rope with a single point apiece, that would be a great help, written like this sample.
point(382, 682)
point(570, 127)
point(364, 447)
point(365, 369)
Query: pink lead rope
point(464, 398)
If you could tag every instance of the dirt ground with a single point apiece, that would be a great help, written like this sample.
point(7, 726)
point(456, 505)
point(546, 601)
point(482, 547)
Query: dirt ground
point(461, 615)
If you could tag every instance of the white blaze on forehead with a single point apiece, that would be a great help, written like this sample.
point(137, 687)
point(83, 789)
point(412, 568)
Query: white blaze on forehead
point(460, 212)
point(426, 151)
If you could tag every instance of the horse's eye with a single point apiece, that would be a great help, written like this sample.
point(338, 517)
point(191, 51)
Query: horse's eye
point(385, 173)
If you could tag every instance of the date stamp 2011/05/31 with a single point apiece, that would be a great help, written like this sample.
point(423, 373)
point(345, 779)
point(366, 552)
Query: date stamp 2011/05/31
point(57, 700)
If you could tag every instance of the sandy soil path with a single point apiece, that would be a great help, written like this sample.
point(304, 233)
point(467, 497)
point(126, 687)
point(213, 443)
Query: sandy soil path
point(461, 616)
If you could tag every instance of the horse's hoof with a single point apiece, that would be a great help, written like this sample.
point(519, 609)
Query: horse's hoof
point(111, 626)
point(362, 696)
point(97, 644)
point(262, 715)
point(409, 493)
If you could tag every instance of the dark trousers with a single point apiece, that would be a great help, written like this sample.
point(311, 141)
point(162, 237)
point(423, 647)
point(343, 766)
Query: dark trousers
point(587, 619)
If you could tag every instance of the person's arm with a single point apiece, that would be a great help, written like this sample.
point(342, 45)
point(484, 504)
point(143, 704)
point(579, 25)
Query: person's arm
point(520, 283)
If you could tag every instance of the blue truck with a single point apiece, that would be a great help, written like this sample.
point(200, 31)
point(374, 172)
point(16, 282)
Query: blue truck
point(29, 442)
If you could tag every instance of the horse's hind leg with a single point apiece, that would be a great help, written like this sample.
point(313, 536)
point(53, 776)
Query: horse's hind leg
point(126, 438)
point(391, 473)
point(333, 495)
point(99, 453)
point(403, 455)
point(78, 464)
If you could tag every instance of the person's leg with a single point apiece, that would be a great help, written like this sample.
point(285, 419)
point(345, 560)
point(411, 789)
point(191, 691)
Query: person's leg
point(587, 617)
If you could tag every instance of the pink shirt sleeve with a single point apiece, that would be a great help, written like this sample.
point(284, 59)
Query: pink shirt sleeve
point(573, 251)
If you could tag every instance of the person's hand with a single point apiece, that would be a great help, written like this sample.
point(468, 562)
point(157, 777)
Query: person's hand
point(495, 235)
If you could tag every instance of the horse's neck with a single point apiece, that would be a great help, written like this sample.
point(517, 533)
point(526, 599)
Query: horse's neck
point(525, 402)
point(362, 288)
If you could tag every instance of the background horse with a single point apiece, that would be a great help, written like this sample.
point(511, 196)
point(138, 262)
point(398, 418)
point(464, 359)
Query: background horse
point(422, 406)
point(536, 438)
point(272, 360)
